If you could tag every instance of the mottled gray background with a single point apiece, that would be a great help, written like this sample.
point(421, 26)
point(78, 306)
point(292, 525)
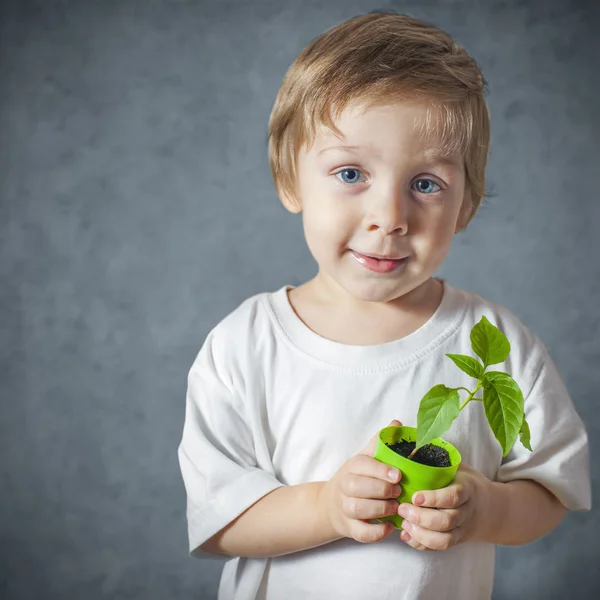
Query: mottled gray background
point(137, 210)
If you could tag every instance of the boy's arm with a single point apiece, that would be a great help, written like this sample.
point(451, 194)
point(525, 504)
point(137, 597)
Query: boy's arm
point(299, 517)
point(286, 520)
point(523, 511)
point(474, 508)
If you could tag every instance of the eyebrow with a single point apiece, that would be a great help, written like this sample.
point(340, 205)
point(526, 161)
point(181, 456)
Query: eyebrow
point(347, 148)
point(435, 157)
point(432, 156)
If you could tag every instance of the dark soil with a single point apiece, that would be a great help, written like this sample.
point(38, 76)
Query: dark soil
point(430, 455)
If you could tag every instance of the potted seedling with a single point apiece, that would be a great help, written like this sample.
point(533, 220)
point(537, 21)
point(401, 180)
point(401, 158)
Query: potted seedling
point(427, 461)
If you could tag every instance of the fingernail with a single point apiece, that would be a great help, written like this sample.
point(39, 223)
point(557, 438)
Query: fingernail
point(418, 499)
point(393, 474)
point(405, 537)
point(406, 525)
point(404, 511)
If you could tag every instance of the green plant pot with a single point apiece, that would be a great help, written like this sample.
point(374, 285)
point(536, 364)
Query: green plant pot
point(415, 477)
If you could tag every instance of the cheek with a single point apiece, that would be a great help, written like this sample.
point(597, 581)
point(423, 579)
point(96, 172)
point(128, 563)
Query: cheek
point(323, 235)
point(443, 232)
point(327, 221)
point(435, 232)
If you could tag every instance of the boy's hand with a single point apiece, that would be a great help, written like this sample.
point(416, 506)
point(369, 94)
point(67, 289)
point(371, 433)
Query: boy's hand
point(361, 490)
point(451, 515)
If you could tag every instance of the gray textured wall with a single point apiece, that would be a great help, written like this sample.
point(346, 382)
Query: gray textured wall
point(137, 210)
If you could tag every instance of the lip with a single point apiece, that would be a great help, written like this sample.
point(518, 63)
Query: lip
point(380, 256)
point(378, 263)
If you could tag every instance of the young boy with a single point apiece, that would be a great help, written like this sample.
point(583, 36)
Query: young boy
point(379, 136)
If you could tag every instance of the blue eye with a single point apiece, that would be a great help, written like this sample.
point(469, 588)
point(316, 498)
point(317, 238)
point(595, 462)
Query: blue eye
point(353, 175)
point(425, 186)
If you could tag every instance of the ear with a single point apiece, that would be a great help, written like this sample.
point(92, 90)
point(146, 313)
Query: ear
point(291, 203)
point(463, 214)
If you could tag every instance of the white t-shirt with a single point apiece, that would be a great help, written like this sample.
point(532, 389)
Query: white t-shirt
point(272, 403)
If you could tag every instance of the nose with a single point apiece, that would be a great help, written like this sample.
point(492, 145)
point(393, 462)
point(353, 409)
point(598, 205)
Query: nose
point(387, 211)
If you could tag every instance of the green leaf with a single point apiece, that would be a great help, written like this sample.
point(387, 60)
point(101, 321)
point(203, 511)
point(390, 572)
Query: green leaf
point(504, 407)
point(438, 408)
point(471, 366)
point(489, 343)
point(525, 435)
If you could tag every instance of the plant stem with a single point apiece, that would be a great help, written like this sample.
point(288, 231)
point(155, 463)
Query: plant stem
point(469, 398)
point(409, 457)
point(471, 394)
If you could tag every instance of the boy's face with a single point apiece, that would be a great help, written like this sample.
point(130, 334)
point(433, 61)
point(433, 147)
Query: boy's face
point(387, 196)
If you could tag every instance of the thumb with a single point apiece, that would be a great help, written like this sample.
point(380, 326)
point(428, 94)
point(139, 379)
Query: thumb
point(369, 449)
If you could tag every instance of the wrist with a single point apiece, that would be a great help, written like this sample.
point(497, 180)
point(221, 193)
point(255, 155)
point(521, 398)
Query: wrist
point(492, 512)
point(324, 513)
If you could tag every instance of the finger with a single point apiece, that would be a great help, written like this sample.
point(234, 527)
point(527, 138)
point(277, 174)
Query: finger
point(434, 519)
point(366, 508)
point(405, 537)
point(453, 496)
point(367, 466)
point(366, 533)
point(360, 486)
point(369, 449)
point(432, 540)
point(465, 468)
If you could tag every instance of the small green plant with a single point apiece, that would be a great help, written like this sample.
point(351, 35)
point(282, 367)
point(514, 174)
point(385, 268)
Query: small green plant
point(501, 396)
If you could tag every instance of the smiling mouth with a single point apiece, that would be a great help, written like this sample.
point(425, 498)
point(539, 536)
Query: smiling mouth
point(380, 256)
point(378, 263)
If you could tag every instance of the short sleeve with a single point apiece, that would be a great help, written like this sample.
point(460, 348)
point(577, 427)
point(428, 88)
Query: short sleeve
point(216, 454)
point(560, 457)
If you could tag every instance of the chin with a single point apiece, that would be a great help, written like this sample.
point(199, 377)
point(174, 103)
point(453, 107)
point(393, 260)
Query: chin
point(377, 291)
point(385, 289)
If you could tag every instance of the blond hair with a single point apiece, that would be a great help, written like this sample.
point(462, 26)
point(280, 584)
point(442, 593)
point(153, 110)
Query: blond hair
point(379, 58)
